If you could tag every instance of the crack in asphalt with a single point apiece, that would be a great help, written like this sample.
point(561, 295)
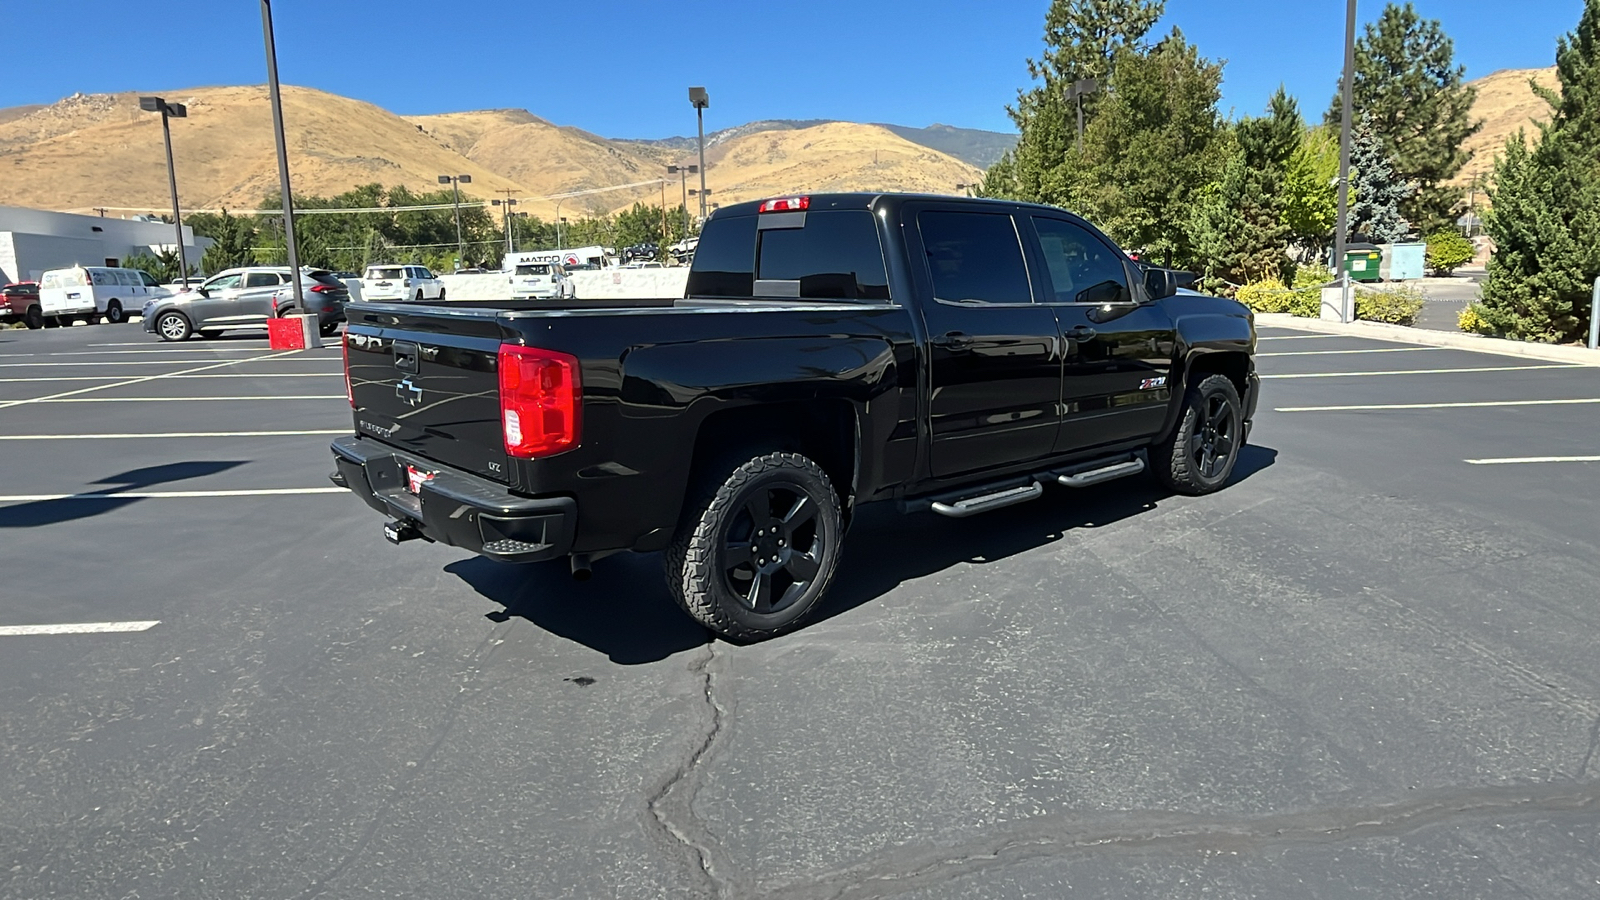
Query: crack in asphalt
point(400, 787)
point(904, 869)
point(1594, 742)
point(672, 810)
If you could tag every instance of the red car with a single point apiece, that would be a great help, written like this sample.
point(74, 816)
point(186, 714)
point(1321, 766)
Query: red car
point(19, 302)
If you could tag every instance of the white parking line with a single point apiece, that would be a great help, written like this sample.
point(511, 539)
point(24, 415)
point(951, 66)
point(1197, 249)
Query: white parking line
point(131, 381)
point(1514, 460)
point(1341, 352)
point(168, 495)
point(273, 375)
point(149, 351)
point(78, 628)
point(1429, 371)
point(196, 399)
point(1281, 337)
point(168, 434)
point(164, 362)
point(1382, 406)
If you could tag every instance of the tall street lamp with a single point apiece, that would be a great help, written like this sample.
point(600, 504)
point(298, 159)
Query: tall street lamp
point(1341, 236)
point(283, 156)
point(1075, 93)
point(700, 100)
point(683, 173)
point(175, 111)
point(506, 215)
point(456, 181)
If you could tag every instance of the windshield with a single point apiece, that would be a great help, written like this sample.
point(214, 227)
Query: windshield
point(533, 269)
point(395, 272)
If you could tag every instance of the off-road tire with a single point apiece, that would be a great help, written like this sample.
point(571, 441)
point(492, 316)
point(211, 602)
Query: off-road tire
point(1200, 455)
point(698, 569)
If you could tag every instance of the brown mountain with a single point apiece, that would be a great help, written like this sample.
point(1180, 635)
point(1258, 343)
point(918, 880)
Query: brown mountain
point(1506, 102)
point(100, 150)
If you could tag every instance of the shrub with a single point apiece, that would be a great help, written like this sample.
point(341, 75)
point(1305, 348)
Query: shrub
point(1268, 296)
point(1448, 250)
point(1472, 321)
point(1396, 306)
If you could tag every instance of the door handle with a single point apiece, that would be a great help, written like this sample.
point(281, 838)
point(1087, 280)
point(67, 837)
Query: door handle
point(1081, 332)
point(954, 340)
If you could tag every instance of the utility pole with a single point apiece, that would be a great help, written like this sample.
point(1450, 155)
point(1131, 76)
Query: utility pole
point(283, 158)
point(1347, 103)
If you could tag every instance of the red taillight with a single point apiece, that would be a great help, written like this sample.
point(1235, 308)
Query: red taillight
point(348, 393)
point(541, 401)
point(786, 204)
point(320, 289)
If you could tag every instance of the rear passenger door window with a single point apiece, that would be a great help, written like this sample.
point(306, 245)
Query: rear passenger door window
point(260, 279)
point(974, 258)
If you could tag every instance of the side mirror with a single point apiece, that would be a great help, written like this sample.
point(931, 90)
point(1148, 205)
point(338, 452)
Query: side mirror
point(203, 292)
point(1159, 284)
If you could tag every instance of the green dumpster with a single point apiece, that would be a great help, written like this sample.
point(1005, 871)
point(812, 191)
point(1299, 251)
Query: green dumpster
point(1363, 262)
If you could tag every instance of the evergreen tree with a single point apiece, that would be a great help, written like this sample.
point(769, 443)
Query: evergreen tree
point(1238, 223)
point(1407, 83)
point(1150, 150)
point(1082, 39)
point(1377, 192)
point(235, 241)
point(1546, 205)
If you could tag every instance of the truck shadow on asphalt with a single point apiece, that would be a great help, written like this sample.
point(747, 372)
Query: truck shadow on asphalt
point(625, 611)
point(35, 513)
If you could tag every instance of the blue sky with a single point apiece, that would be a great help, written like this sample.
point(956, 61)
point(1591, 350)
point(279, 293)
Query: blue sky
point(621, 68)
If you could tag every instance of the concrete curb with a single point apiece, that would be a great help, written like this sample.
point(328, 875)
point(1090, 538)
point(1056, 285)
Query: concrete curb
point(1406, 335)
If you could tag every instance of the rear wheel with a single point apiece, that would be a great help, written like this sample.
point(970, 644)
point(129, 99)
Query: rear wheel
point(33, 318)
point(441, 295)
point(65, 321)
point(329, 329)
point(419, 295)
point(114, 312)
point(1201, 453)
point(173, 327)
point(757, 549)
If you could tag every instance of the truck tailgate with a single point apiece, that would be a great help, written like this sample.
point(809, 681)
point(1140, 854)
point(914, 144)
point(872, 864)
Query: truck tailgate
point(426, 380)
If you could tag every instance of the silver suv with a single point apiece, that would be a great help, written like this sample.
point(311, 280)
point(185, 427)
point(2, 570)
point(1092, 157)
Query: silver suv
point(243, 298)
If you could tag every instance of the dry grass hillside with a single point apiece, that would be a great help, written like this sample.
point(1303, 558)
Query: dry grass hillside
point(839, 156)
point(101, 150)
point(1505, 103)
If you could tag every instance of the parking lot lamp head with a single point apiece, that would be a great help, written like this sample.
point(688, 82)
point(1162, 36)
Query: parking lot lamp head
point(171, 111)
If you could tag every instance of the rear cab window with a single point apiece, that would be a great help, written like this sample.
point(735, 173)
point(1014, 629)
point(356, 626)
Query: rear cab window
point(830, 254)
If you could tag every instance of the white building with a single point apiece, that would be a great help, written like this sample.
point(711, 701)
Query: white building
point(33, 240)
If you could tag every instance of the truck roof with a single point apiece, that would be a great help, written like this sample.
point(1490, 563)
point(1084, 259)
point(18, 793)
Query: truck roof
point(878, 199)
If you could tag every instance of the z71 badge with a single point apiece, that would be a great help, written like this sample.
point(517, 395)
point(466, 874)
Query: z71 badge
point(1150, 384)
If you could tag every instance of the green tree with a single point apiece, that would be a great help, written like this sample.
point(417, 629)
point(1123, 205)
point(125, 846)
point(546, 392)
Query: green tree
point(1377, 191)
point(1448, 250)
point(1237, 223)
point(1150, 150)
point(1082, 40)
point(235, 240)
point(1406, 81)
point(1310, 190)
point(163, 266)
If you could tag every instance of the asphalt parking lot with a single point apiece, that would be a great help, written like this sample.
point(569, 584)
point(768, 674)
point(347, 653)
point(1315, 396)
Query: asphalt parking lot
point(1369, 668)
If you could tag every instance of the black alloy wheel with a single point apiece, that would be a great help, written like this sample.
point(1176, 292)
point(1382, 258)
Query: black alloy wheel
point(757, 550)
point(1200, 455)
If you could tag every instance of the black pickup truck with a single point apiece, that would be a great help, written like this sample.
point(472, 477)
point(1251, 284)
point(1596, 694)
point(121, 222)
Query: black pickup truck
point(949, 355)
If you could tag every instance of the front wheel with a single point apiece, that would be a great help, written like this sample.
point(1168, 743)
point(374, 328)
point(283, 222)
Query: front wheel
point(1201, 453)
point(173, 327)
point(758, 548)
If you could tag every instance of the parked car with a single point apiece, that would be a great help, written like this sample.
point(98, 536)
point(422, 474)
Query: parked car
point(944, 354)
point(19, 302)
point(234, 298)
point(89, 292)
point(325, 295)
point(541, 281)
point(400, 282)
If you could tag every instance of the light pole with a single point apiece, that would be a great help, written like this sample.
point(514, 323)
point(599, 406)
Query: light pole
point(700, 100)
point(506, 213)
point(176, 111)
point(683, 173)
point(559, 220)
point(514, 218)
point(1341, 235)
point(703, 193)
point(1076, 91)
point(456, 181)
point(283, 156)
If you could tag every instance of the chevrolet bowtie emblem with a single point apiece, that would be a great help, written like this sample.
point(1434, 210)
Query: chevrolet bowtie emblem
point(408, 393)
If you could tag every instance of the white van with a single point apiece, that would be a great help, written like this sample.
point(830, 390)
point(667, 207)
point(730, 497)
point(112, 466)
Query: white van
point(89, 292)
